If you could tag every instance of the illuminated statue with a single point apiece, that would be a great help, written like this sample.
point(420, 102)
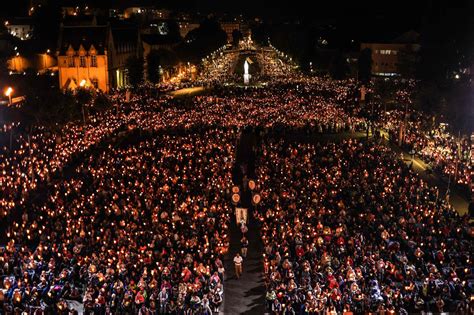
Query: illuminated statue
point(246, 72)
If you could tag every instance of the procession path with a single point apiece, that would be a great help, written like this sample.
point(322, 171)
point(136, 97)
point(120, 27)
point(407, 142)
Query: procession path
point(245, 295)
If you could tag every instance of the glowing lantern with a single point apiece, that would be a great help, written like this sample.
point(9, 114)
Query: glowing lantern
point(92, 269)
point(256, 199)
point(235, 198)
point(252, 184)
point(7, 283)
point(320, 241)
point(17, 296)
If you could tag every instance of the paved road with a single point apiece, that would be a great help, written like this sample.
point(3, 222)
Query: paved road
point(457, 198)
point(245, 295)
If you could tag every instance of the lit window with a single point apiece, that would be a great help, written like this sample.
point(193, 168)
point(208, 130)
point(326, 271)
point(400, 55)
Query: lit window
point(388, 52)
point(82, 61)
point(70, 61)
point(93, 61)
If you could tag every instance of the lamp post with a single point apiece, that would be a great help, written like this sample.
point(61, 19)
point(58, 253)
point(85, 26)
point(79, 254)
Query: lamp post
point(9, 92)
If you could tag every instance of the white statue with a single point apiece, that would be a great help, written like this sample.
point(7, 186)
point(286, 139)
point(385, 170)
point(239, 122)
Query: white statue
point(246, 73)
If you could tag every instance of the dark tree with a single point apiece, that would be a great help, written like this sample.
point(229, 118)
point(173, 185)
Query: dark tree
point(135, 70)
point(46, 21)
point(84, 99)
point(295, 40)
point(84, 96)
point(46, 107)
point(69, 108)
point(173, 30)
point(203, 40)
point(153, 66)
point(260, 34)
point(236, 37)
point(339, 67)
point(429, 97)
point(446, 55)
point(365, 65)
point(385, 90)
point(5, 54)
point(407, 63)
point(101, 102)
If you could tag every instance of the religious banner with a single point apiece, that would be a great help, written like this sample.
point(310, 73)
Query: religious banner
point(241, 214)
point(472, 167)
point(127, 96)
point(362, 93)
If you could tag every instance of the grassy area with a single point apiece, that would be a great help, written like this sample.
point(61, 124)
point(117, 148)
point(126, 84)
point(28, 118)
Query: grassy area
point(188, 92)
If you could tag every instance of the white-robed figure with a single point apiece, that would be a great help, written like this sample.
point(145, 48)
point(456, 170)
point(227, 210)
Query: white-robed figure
point(246, 72)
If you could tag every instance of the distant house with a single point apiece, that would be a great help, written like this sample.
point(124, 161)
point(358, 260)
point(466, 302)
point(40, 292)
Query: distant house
point(39, 63)
point(229, 28)
point(395, 57)
point(187, 26)
point(95, 55)
point(20, 27)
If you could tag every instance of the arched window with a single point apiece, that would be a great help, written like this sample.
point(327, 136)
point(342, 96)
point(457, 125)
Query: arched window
point(82, 57)
point(82, 61)
point(93, 61)
point(93, 54)
point(70, 56)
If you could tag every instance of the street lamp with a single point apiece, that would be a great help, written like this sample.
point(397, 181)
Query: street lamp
point(9, 92)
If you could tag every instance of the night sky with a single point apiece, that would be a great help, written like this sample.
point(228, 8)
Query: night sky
point(366, 17)
point(268, 8)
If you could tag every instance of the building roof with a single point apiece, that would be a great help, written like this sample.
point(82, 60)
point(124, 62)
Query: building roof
point(20, 21)
point(106, 4)
point(124, 33)
point(125, 36)
point(410, 37)
point(157, 39)
point(80, 20)
point(86, 36)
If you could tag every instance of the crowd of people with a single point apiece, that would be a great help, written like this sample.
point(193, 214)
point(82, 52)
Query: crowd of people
point(137, 228)
point(36, 155)
point(139, 223)
point(433, 141)
point(218, 67)
point(448, 154)
point(349, 228)
point(445, 153)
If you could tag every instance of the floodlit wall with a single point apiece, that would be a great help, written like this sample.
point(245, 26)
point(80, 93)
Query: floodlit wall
point(97, 75)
